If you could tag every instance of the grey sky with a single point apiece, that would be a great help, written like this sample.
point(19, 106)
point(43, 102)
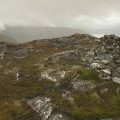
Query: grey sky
point(93, 16)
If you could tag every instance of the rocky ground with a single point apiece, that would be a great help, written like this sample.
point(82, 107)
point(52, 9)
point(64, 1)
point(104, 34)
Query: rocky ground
point(68, 78)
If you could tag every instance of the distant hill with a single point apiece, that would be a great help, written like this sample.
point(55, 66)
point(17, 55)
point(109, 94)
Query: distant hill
point(25, 34)
point(4, 38)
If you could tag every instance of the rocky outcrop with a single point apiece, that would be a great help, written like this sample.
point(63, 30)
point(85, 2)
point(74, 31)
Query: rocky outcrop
point(20, 54)
point(71, 55)
point(44, 107)
point(102, 55)
point(112, 47)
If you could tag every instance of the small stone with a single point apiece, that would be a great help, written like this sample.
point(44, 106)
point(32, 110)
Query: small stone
point(95, 65)
point(106, 71)
point(116, 80)
point(104, 62)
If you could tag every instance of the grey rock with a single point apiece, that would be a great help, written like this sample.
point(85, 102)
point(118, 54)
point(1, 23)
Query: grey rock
point(42, 106)
point(20, 54)
point(67, 55)
point(83, 85)
point(116, 80)
point(52, 75)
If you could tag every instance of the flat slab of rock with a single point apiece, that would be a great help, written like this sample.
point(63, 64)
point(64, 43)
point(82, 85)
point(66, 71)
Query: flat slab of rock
point(83, 85)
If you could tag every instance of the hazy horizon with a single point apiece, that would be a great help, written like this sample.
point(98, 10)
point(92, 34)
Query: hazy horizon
point(22, 33)
point(96, 17)
point(30, 33)
point(98, 34)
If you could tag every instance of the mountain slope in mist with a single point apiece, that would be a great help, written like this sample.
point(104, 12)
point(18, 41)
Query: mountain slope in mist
point(25, 34)
point(4, 38)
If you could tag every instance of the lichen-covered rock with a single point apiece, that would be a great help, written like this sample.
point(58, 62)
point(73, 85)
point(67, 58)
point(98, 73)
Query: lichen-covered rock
point(42, 106)
point(83, 85)
point(52, 75)
point(67, 95)
point(67, 55)
point(116, 80)
point(95, 65)
point(20, 54)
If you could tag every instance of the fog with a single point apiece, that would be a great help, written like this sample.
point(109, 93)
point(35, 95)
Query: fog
point(93, 16)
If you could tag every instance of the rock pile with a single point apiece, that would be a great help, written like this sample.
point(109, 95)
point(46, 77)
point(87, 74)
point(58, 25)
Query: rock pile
point(105, 57)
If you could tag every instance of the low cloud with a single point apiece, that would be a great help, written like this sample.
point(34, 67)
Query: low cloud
point(92, 16)
point(100, 24)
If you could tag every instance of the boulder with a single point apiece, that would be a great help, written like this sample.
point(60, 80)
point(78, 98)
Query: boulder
point(83, 85)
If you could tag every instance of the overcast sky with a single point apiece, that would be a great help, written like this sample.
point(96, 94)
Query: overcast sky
point(93, 16)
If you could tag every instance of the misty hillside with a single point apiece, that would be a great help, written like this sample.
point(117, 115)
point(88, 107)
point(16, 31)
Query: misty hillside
point(24, 34)
point(4, 38)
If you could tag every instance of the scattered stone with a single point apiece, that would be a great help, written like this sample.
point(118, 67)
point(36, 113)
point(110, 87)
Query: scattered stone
point(116, 80)
point(52, 75)
point(20, 54)
point(42, 106)
point(103, 91)
point(45, 75)
point(95, 65)
point(106, 71)
point(67, 95)
point(83, 85)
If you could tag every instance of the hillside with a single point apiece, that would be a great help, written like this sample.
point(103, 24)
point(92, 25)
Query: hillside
point(67, 78)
